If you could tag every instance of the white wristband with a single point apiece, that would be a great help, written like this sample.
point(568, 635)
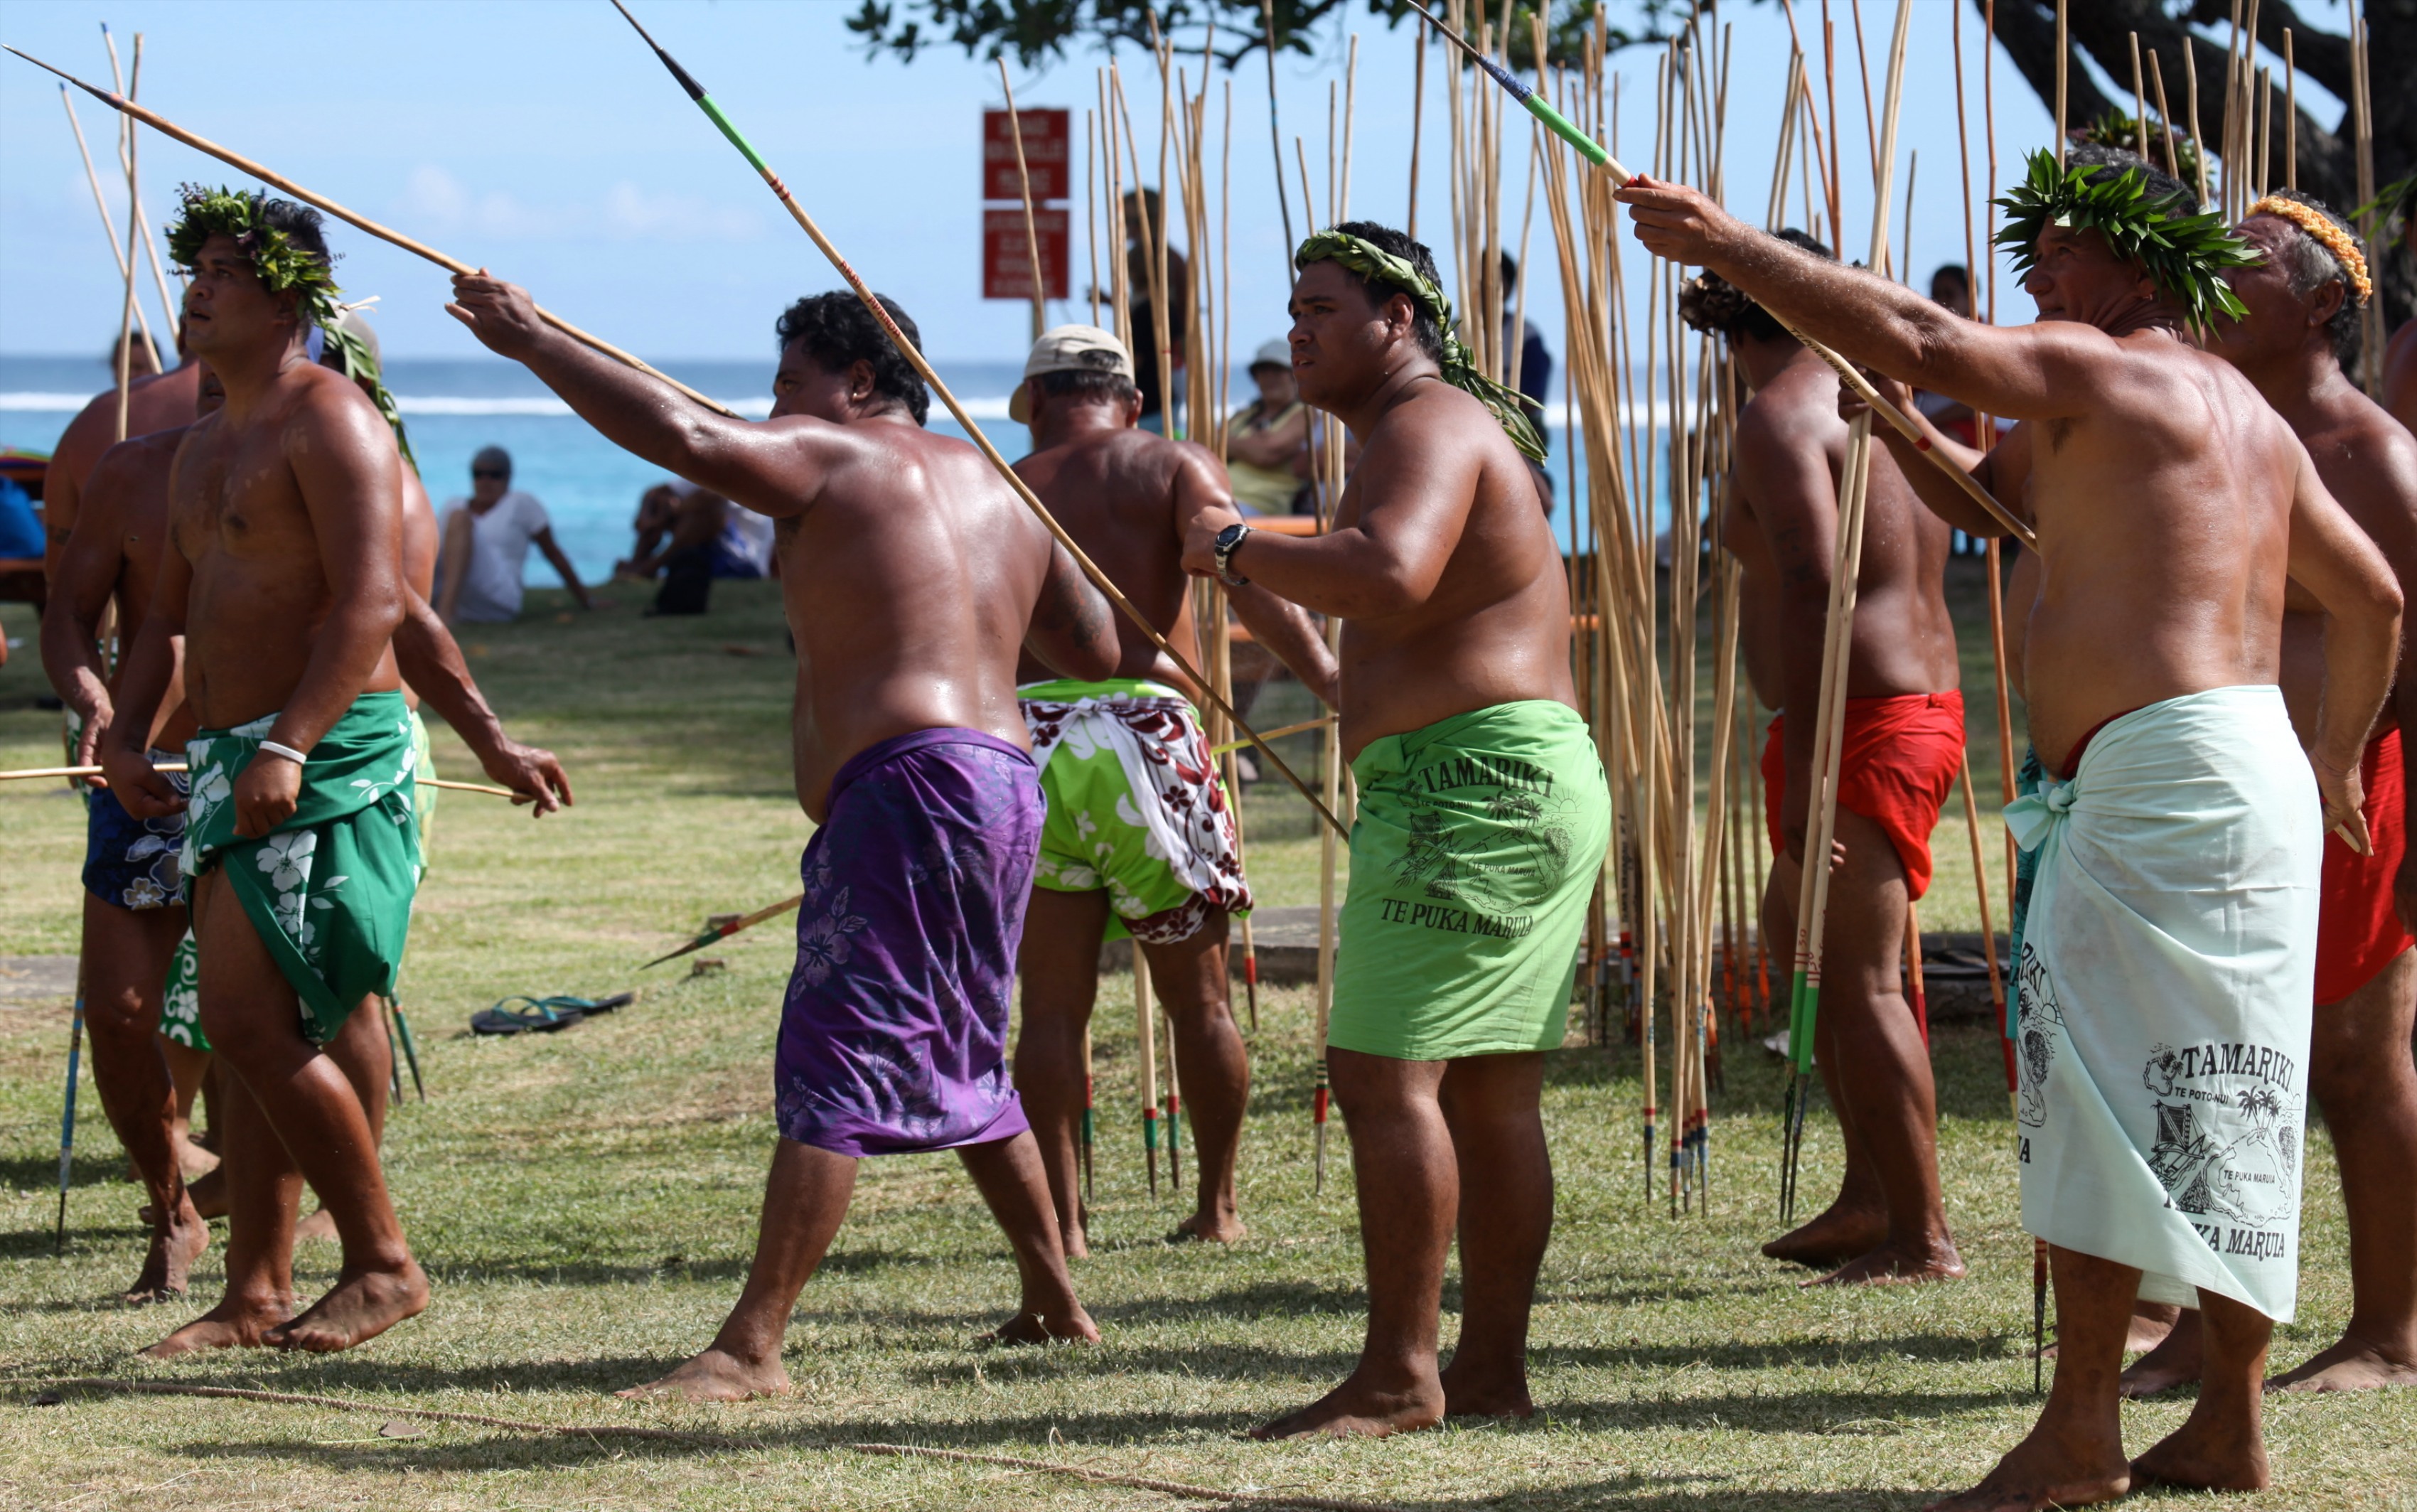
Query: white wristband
point(273, 748)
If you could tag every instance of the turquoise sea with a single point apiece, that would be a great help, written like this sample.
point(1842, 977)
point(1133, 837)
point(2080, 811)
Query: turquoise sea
point(590, 486)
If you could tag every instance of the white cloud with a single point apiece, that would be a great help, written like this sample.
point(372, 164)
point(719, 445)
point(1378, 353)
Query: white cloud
point(440, 203)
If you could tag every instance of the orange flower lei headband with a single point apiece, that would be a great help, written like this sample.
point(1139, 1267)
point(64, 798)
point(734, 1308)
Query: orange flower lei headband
point(2320, 229)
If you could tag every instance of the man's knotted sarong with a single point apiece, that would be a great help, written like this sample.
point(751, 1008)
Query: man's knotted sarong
point(329, 891)
point(2168, 959)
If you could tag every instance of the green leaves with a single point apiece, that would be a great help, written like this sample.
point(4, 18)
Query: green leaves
point(2186, 254)
point(281, 263)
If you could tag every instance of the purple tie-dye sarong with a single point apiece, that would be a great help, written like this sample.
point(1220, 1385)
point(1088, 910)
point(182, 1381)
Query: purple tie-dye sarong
point(893, 1038)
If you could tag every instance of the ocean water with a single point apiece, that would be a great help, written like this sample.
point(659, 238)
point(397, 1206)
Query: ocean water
point(590, 487)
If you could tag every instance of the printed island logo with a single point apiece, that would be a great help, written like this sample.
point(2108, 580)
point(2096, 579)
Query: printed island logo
point(2036, 1012)
point(2227, 1141)
point(1508, 863)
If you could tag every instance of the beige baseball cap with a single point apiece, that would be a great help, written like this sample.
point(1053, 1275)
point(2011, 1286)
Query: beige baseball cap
point(1068, 349)
point(1275, 354)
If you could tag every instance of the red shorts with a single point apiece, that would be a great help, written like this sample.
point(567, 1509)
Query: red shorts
point(2358, 932)
point(1900, 762)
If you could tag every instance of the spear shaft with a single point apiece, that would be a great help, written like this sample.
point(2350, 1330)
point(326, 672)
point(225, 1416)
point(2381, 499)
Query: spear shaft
point(915, 358)
point(452, 265)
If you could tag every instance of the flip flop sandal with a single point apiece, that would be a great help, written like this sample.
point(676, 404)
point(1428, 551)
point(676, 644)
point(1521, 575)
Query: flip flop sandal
point(542, 1016)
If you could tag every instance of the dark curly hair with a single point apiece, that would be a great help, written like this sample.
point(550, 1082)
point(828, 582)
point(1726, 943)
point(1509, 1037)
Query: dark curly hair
point(839, 332)
point(1386, 239)
point(1711, 303)
point(2308, 266)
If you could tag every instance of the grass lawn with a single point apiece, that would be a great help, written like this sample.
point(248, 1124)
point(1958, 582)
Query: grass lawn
point(585, 1204)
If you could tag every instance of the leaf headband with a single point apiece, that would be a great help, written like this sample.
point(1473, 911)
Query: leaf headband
point(2186, 254)
point(1368, 260)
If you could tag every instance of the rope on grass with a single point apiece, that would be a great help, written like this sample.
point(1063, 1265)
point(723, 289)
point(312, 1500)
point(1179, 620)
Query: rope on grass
point(625, 1430)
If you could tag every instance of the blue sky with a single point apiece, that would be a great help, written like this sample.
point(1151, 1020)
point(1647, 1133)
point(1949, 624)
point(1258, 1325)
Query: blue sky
point(539, 138)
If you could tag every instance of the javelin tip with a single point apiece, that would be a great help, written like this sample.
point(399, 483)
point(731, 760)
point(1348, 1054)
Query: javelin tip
point(695, 90)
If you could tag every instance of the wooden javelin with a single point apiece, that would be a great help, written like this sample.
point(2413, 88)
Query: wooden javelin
point(914, 355)
point(452, 265)
point(178, 766)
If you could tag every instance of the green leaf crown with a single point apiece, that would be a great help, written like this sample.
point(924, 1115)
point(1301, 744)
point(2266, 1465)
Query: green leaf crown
point(2186, 254)
point(280, 264)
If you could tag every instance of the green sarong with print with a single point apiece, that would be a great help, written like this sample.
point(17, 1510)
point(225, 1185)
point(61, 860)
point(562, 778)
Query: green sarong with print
point(329, 892)
point(1473, 857)
point(423, 792)
point(181, 1005)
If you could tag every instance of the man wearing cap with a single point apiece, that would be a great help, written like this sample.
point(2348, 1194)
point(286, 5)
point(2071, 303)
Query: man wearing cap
point(1140, 837)
point(486, 539)
point(1263, 440)
point(1484, 820)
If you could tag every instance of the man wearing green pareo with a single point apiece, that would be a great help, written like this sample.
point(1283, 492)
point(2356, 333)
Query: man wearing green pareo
point(1483, 819)
point(284, 575)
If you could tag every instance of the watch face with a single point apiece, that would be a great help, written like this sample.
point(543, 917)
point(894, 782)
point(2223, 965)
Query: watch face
point(1227, 537)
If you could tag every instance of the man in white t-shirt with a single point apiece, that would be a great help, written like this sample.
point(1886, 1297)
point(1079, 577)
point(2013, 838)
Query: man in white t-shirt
point(487, 537)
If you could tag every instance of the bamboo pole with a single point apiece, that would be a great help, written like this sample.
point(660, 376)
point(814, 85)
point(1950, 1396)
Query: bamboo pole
point(1275, 136)
point(2164, 115)
point(100, 202)
point(1146, 1029)
point(2064, 54)
point(1417, 119)
point(168, 303)
point(126, 145)
point(2290, 116)
point(1091, 208)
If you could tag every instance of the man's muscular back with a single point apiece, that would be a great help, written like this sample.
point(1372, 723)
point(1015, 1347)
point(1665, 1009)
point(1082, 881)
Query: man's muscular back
point(1494, 627)
point(2164, 510)
point(162, 402)
point(909, 581)
point(1113, 490)
point(252, 498)
point(1782, 522)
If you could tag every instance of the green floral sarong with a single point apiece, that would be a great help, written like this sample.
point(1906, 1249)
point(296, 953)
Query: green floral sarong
point(181, 1005)
point(329, 892)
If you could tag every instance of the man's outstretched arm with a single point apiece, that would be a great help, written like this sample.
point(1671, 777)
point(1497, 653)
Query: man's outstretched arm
point(771, 467)
point(2026, 372)
point(431, 662)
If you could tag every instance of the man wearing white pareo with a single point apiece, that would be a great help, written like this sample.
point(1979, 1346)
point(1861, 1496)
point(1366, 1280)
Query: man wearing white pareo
point(2168, 958)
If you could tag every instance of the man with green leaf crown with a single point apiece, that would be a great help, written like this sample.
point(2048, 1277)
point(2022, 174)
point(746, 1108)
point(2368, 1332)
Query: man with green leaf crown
point(1483, 823)
point(2169, 952)
point(284, 574)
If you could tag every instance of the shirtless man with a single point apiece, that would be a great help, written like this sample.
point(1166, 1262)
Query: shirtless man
point(2180, 834)
point(1163, 859)
point(2303, 305)
point(1904, 746)
point(300, 846)
point(1483, 822)
point(911, 575)
point(163, 402)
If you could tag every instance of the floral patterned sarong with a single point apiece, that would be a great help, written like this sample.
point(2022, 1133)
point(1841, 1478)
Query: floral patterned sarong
point(329, 892)
point(893, 1037)
point(1135, 807)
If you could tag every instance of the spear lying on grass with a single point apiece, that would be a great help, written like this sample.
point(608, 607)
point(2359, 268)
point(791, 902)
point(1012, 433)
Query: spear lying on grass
point(1593, 152)
point(242, 164)
point(726, 928)
point(948, 399)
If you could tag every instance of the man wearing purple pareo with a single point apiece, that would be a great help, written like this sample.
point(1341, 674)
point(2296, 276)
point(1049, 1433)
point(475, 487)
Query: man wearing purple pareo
point(912, 578)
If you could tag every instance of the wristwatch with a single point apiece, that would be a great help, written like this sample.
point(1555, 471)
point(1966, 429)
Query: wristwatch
point(1229, 541)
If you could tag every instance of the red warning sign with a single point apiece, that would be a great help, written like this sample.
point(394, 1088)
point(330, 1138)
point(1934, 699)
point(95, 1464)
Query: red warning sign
point(1007, 264)
point(1048, 151)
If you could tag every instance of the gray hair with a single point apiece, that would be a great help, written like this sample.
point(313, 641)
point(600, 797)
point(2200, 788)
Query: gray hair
point(2308, 266)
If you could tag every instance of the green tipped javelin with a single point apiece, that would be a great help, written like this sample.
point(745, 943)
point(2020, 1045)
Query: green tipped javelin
point(923, 370)
point(1538, 106)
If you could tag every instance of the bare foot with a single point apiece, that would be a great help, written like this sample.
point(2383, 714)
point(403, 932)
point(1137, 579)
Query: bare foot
point(1076, 1243)
point(361, 1306)
point(1890, 1265)
point(175, 1246)
point(194, 1161)
point(1036, 1327)
point(1469, 1394)
point(2206, 1458)
point(319, 1225)
point(2351, 1365)
point(1354, 1410)
point(1202, 1228)
point(231, 1325)
point(1835, 1238)
point(2047, 1470)
point(2175, 1362)
point(209, 1194)
point(717, 1375)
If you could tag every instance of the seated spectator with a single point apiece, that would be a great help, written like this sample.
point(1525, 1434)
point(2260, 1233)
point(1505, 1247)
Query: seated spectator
point(688, 536)
point(21, 527)
point(487, 537)
point(1269, 435)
